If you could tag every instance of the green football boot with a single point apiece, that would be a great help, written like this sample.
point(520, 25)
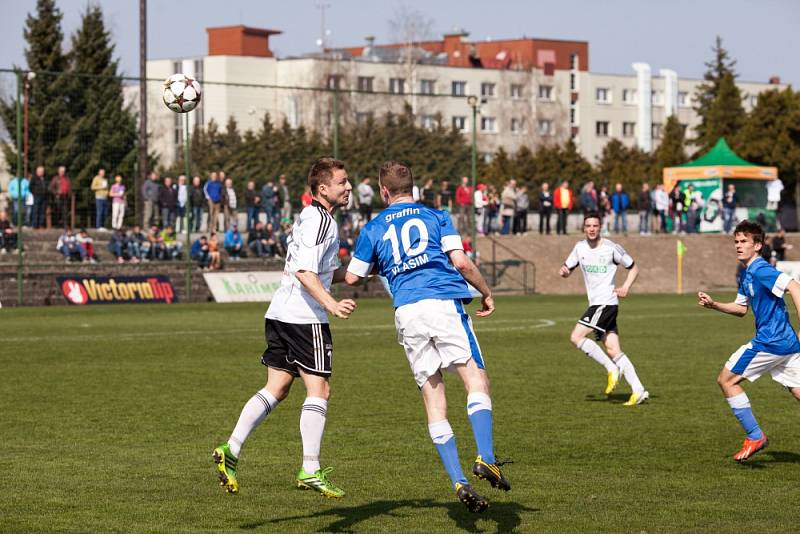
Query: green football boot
point(226, 465)
point(318, 481)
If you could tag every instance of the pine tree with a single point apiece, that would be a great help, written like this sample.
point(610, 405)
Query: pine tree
point(670, 152)
point(525, 165)
point(719, 102)
point(500, 169)
point(48, 117)
point(574, 166)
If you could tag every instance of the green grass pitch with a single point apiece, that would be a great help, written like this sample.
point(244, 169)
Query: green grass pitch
point(110, 413)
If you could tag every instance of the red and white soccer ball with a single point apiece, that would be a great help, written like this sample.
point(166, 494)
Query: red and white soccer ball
point(181, 93)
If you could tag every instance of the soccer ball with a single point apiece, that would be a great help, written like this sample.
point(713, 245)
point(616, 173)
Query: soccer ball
point(181, 93)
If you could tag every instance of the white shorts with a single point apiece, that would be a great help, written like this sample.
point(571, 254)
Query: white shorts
point(436, 334)
point(751, 364)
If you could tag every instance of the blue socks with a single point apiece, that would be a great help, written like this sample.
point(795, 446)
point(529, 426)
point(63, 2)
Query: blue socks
point(442, 436)
point(479, 409)
point(740, 405)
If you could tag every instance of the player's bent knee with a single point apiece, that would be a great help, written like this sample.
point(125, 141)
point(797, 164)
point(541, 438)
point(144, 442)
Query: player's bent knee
point(795, 392)
point(577, 339)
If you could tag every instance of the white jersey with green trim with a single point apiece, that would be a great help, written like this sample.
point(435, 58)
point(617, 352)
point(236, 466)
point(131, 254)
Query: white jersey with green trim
point(599, 266)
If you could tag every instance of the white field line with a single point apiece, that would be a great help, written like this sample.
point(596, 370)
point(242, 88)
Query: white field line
point(480, 324)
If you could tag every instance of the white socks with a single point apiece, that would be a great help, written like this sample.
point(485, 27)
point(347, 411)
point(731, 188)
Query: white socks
point(594, 351)
point(312, 425)
point(627, 370)
point(255, 410)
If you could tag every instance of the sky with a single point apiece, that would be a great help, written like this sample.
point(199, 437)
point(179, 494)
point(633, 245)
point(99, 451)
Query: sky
point(763, 36)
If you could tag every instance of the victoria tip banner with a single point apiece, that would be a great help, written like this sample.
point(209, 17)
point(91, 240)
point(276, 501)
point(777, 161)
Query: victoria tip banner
point(81, 290)
point(258, 286)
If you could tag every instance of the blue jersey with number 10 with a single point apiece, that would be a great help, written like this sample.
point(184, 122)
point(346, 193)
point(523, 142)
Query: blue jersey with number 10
point(409, 244)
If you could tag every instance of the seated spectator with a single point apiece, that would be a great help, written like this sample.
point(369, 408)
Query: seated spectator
point(281, 239)
point(68, 246)
point(88, 245)
point(200, 252)
point(172, 247)
point(8, 236)
point(137, 244)
point(215, 259)
point(779, 245)
point(118, 245)
point(156, 249)
point(233, 243)
point(261, 240)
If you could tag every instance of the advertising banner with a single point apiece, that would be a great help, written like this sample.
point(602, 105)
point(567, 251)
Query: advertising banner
point(711, 190)
point(258, 286)
point(80, 290)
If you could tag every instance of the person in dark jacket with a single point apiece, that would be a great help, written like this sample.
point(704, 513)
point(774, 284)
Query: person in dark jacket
point(645, 206)
point(252, 201)
point(198, 199)
point(545, 207)
point(38, 188)
point(168, 200)
point(620, 202)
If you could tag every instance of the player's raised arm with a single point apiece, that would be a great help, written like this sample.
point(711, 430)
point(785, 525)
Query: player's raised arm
point(794, 290)
point(569, 264)
point(623, 258)
point(471, 274)
point(312, 283)
point(737, 307)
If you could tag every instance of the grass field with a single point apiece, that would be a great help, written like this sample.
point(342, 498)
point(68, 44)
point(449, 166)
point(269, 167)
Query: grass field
point(109, 416)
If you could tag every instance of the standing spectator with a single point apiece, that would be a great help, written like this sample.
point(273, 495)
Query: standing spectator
point(492, 209)
point(38, 188)
point(8, 236)
point(508, 199)
point(305, 198)
point(182, 220)
point(604, 210)
point(87, 243)
point(61, 190)
point(645, 207)
point(156, 249)
point(365, 196)
point(261, 240)
point(463, 205)
point(200, 253)
point(545, 208)
point(198, 199)
point(676, 208)
point(18, 190)
point(589, 198)
point(694, 200)
point(68, 246)
point(100, 188)
point(774, 188)
point(233, 243)
point(172, 246)
point(521, 215)
point(286, 206)
point(229, 203)
point(150, 194)
point(563, 201)
point(428, 194)
point(136, 241)
point(213, 193)
point(168, 200)
point(444, 198)
point(480, 201)
point(779, 245)
point(117, 194)
point(268, 194)
point(620, 202)
point(252, 201)
point(661, 205)
point(729, 202)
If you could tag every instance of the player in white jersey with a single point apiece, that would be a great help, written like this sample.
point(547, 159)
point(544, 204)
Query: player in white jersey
point(598, 259)
point(298, 335)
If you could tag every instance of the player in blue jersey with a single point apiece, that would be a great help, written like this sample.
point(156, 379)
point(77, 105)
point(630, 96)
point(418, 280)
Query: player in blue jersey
point(774, 349)
point(419, 251)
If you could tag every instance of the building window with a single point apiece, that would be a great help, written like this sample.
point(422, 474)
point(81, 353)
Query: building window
point(573, 116)
point(397, 86)
point(601, 128)
point(427, 87)
point(545, 127)
point(683, 99)
point(363, 116)
point(573, 81)
point(573, 61)
point(459, 88)
point(335, 81)
point(603, 95)
point(517, 125)
point(516, 90)
point(546, 93)
point(657, 98)
point(365, 83)
point(487, 89)
point(753, 100)
point(629, 96)
point(628, 129)
point(460, 123)
point(656, 130)
point(488, 124)
point(427, 121)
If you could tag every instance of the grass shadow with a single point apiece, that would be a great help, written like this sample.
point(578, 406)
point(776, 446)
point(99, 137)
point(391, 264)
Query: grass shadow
point(506, 515)
point(772, 457)
point(614, 397)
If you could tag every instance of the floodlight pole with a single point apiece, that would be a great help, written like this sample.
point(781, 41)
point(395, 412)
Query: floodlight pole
point(473, 103)
point(336, 123)
point(188, 209)
point(19, 188)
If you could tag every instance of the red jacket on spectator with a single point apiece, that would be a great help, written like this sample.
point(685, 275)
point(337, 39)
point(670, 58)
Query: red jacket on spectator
point(563, 198)
point(463, 195)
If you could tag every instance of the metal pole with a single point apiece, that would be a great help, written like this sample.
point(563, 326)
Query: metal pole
point(19, 189)
point(336, 123)
point(25, 124)
point(474, 180)
point(141, 174)
point(188, 210)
